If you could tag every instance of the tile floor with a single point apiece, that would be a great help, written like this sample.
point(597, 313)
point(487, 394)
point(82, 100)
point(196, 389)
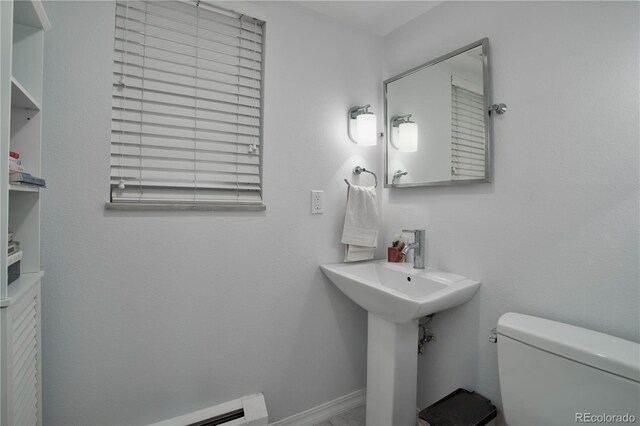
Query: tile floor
point(353, 417)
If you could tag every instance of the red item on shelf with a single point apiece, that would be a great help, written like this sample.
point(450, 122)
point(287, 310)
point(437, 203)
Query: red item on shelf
point(14, 154)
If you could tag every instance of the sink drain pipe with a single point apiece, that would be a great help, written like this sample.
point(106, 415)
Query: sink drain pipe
point(424, 335)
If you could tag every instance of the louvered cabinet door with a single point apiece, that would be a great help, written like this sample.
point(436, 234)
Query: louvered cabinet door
point(22, 358)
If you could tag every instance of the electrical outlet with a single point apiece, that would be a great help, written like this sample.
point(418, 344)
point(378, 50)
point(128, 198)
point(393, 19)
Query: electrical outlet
point(317, 204)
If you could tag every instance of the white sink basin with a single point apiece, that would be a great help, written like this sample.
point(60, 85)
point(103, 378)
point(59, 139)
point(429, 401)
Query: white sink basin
point(397, 292)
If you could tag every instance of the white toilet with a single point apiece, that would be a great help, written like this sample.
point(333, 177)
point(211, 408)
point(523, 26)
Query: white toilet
point(557, 374)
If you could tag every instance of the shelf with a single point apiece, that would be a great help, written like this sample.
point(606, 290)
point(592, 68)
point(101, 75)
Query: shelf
point(31, 13)
point(20, 286)
point(21, 98)
point(23, 188)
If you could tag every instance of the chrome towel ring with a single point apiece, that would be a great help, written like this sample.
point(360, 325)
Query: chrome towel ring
point(358, 170)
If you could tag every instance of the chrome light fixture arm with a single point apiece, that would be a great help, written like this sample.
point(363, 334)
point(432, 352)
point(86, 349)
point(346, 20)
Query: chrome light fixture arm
point(498, 109)
point(397, 120)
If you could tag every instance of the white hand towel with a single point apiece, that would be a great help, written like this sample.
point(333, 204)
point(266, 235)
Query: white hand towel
point(356, 253)
point(360, 231)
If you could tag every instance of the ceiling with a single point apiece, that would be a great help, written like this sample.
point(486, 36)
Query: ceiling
point(375, 17)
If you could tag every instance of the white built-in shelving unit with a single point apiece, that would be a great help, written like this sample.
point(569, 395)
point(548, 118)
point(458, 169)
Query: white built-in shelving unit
point(22, 27)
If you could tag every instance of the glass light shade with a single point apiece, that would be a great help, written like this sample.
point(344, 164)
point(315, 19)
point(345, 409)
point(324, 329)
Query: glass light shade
point(366, 129)
point(408, 137)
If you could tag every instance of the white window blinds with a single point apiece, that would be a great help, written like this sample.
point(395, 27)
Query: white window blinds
point(187, 100)
point(467, 132)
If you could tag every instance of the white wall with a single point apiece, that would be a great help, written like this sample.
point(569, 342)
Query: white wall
point(148, 315)
point(556, 235)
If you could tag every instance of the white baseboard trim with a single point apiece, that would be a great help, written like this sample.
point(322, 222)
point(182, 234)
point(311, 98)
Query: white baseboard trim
point(325, 411)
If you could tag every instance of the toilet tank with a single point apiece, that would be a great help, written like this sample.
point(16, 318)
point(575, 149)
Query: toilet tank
point(557, 374)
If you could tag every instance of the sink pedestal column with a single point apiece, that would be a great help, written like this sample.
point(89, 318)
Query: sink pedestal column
point(392, 372)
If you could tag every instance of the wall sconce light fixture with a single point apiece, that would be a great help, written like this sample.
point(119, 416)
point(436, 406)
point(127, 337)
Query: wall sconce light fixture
point(404, 133)
point(361, 126)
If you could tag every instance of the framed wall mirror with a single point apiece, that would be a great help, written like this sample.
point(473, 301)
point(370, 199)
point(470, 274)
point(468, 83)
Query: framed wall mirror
point(437, 121)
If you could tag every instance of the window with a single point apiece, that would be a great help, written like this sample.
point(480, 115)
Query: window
point(186, 107)
point(467, 130)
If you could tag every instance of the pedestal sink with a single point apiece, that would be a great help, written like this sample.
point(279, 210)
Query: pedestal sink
point(396, 296)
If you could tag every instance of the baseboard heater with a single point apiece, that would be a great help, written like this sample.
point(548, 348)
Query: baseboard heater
point(222, 419)
point(249, 410)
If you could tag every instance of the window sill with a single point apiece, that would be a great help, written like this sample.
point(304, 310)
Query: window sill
point(186, 207)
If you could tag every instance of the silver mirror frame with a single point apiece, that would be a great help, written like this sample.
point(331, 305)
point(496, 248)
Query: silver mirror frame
point(484, 43)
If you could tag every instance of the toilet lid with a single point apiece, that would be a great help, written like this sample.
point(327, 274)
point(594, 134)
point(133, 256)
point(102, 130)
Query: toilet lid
point(599, 350)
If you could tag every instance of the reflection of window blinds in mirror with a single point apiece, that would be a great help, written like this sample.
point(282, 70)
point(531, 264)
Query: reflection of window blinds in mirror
point(186, 117)
point(467, 133)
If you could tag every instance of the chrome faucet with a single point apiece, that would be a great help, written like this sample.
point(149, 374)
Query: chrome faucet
point(417, 246)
